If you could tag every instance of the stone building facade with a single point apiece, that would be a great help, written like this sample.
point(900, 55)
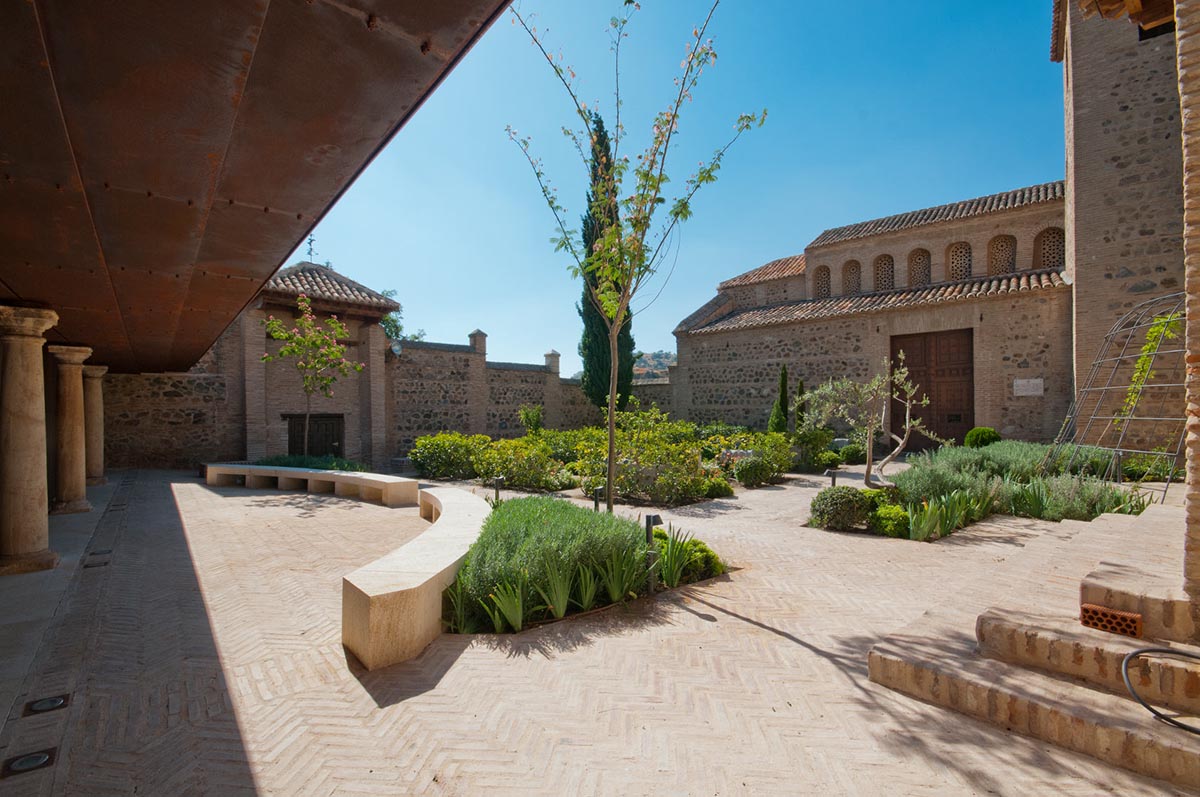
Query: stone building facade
point(233, 406)
point(1028, 282)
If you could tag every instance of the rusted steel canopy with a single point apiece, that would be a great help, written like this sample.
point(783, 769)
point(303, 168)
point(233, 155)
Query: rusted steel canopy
point(160, 158)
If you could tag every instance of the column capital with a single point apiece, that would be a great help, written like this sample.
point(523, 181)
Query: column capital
point(94, 371)
point(31, 322)
point(70, 355)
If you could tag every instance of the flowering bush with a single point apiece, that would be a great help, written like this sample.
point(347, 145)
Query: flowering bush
point(448, 455)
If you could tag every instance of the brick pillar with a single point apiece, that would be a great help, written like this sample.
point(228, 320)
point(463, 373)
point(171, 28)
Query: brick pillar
point(552, 393)
point(70, 467)
point(372, 350)
point(1187, 32)
point(254, 345)
point(93, 421)
point(24, 527)
point(479, 397)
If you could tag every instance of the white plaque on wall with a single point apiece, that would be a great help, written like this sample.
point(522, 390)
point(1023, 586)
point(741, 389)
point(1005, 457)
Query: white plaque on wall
point(1029, 387)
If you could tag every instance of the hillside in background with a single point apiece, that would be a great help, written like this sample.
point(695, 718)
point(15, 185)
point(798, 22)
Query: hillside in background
point(653, 364)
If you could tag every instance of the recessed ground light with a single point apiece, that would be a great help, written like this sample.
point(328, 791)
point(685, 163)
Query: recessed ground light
point(45, 704)
point(96, 564)
point(19, 765)
point(100, 552)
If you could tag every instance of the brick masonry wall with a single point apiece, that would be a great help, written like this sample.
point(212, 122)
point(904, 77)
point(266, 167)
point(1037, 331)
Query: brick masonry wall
point(1024, 224)
point(1124, 217)
point(178, 420)
point(733, 376)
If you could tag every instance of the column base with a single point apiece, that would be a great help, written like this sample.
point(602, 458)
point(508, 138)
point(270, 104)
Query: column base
point(70, 507)
point(96, 481)
point(28, 563)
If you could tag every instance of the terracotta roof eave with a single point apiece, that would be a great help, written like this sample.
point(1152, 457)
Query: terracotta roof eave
point(871, 303)
point(289, 297)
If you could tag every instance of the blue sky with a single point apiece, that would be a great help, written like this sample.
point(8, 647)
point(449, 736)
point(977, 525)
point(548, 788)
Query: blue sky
point(874, 109)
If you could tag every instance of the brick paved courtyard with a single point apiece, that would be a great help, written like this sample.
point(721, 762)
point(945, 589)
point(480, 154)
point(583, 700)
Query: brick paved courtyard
point(205, 657)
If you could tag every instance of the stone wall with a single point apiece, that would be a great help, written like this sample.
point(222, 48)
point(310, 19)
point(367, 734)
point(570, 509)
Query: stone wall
point(178, 420)
point(429, 390)
point(576, 410)
point(733, 376)
point(509, 386)
point(1124, 217)
point(654, 392)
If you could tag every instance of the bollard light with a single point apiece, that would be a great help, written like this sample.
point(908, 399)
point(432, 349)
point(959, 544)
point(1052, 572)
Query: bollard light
point(832, 474)
point(652, 552)
point(597, 494)
point(499, 484)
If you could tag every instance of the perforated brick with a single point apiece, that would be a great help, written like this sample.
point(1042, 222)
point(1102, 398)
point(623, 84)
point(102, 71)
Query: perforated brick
point(1113, 621)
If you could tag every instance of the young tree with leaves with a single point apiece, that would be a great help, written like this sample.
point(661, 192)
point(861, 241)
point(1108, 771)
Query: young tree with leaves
point(779, 413)
point(628, 247)
point(315, 351)
point(593, 345)
point(863, 406)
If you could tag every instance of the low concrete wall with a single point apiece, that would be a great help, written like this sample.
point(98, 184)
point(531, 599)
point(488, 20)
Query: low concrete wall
point(392, 607)
point(387, 490)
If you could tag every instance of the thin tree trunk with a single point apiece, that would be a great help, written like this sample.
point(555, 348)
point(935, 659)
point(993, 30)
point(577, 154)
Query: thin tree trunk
point(614, 330)
point(870, 446)
point(307, 412)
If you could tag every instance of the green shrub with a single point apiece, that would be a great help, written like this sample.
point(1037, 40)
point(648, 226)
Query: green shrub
point(525, 463)
point(313, 462)
point(839, 508)
point(889, 520)
point(853, 453)
point(448, 455)
point(648, 469)
point(826, 460)
point(702, 561)
point(530, 416)
point(752, 471)
point(524, 537)
point(881, 497)
point(717, 487)
point(981, 436)
point(1158, 467)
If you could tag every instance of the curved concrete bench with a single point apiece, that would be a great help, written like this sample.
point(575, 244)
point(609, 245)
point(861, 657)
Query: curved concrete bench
point(392, 608)
point(387, 490)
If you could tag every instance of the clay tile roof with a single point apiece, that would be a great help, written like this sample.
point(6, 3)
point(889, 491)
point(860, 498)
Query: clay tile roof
point(1058, 30)
point(323, 283)
point(903, 298)
point(777, 269)
point(1008, 200)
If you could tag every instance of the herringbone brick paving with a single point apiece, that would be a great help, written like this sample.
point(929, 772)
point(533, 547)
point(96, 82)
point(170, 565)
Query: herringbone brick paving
point(206, 659)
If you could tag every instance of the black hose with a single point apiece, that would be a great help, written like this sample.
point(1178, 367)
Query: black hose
point(1166, 652)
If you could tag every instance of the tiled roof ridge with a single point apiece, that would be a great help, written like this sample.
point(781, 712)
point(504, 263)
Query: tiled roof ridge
point(322, 282)
point(967, 208)
point(779, 268)
point(899, 298)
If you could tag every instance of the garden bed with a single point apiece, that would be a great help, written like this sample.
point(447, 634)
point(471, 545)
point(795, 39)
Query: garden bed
point(950, 488)
point(540, 559)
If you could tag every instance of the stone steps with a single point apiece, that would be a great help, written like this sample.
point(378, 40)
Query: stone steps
point(1036, 671)
point(1060, 646)
point(943, 669)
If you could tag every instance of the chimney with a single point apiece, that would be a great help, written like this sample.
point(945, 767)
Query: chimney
point(552, 361)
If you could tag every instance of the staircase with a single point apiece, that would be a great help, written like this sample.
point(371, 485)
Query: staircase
point(1027, 664)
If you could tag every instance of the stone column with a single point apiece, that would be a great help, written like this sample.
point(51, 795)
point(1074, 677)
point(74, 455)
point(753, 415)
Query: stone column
point(70, 491)
point(93, 421)
point(1187, 33)
point(24, 528)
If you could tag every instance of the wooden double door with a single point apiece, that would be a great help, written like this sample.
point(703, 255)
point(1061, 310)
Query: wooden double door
point(942, 365)
point(326, 434)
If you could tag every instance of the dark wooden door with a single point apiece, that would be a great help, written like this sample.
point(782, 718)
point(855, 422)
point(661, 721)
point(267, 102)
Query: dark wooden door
point(325, 435)
point(942, 365)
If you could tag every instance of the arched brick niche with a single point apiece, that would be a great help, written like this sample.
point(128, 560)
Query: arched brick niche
point(920, 267)
point(1050, 248)
point(885, 273)
point(1002, 255)
point(820, 282)
point(851, 278)
point(958, 261)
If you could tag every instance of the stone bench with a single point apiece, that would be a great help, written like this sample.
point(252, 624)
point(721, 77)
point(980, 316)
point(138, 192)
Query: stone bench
point(386, 490)
point(392, 607)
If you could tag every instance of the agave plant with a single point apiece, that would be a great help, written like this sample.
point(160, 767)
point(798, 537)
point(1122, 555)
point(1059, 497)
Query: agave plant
point(557, 592)
point(622, 573)
point(588, 585)
point(676, 554)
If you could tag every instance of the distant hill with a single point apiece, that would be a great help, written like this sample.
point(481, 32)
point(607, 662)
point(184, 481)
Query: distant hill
point(652, 364)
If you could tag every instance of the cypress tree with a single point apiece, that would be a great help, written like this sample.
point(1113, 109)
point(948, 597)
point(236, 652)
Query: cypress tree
point(779, 412)
point(593, 346)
